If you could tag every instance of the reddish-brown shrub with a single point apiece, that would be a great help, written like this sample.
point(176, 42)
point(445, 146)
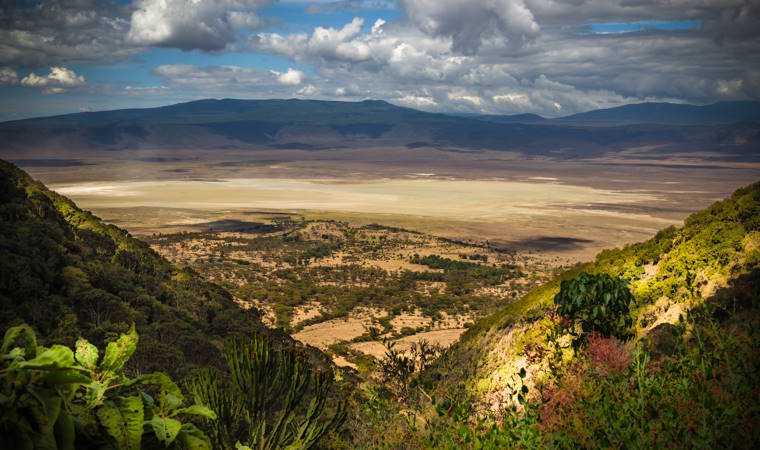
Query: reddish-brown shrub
point(607, 355)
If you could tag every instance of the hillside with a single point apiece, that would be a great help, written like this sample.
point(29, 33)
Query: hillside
point(68, 274)
point(318, 125)
point(696, 290)
point(672, 113)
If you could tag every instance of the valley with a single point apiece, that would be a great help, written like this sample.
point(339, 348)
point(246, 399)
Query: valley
point(328, 244)
point(431, 296)
point(345, 289)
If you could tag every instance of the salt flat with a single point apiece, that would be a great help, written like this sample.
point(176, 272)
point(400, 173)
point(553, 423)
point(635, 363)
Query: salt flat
point(493, 200)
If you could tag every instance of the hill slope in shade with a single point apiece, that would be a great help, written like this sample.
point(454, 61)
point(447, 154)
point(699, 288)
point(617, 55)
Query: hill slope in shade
point(68, 274)
point(315, 125)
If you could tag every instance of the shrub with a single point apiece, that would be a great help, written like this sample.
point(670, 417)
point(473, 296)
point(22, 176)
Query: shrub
point(598, 303)
point(607, 356)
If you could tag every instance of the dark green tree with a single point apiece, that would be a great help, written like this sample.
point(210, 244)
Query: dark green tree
point(597, 303)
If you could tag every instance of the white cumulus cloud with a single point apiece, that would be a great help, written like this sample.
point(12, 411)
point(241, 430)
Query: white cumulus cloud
point(292, 77)
point(193, 24)
point(57, 81)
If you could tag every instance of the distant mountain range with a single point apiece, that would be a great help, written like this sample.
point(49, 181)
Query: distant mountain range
point(672, 114)
point(316, 125)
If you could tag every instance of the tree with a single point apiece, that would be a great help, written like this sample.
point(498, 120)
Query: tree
point(597, 303)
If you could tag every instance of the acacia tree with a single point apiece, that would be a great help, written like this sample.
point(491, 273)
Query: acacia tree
point(597, 303)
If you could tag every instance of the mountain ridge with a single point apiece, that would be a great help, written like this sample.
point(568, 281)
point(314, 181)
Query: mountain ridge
point(646, 112)
point(318, 125)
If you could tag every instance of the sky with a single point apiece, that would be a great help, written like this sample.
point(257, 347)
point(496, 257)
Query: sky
point(549, 57)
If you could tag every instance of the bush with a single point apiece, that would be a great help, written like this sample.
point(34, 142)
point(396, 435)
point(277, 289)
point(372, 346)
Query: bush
point(598, 303)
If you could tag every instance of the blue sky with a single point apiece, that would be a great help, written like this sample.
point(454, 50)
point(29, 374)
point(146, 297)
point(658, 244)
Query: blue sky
point(497, 56)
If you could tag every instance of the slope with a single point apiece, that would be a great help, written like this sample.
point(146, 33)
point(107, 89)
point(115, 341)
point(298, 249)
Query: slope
point(68, 274)
point(713, 259)
point(672, 113)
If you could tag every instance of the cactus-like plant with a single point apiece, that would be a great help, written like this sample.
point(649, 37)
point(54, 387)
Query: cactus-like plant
point(259, 402)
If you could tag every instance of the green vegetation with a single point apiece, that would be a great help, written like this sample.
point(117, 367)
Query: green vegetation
point(68, 274)
point(599, 303)
point(696, 389)
point(285, 271)
point(58, 398)
point(258, 400)
point(689, 379)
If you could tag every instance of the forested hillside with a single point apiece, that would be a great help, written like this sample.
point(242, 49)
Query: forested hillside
point(68, 274)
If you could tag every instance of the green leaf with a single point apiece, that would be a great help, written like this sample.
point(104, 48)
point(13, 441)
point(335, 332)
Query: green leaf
point(94, 395)
point(119, 352)
point(56, 357)
point(166, 429)
point(64, 430)
point(12, 334)
point(196, 410)
point(87, 354)
point(239, 446)
point(159, 379)
point(172, 402)
point(65, 376)
point(193, 438)
point(146, 398)
point(45, 418)
point(123, 420)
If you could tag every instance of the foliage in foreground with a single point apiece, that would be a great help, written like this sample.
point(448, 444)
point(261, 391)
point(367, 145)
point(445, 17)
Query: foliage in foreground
point(260, 401)
point(58, 398)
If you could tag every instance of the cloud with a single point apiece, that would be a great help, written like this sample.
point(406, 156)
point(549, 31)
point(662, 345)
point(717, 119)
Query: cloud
point(52, 32)
point(339, 44)
point(519, 100)
point(468, 23)
point(292, 77)
point(307, 91)
point(233, 81)
point(495, 56)
point(417, 102)
point(327, 43)
point(8, 77)
point(206, 25)
point(138, 91)
point(561, 71)
point(735, 22)
point(354, 6)
point(57, 81)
